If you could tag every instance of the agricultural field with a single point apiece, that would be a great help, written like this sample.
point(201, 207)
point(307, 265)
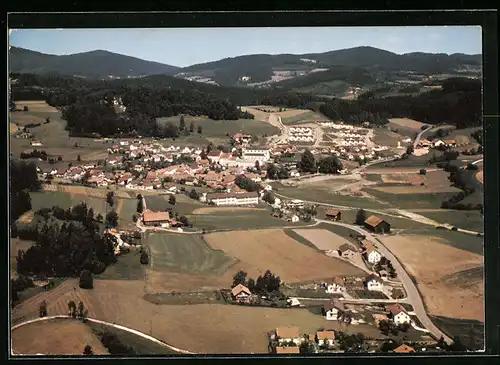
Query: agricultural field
point(241, 219)
point(465, 219)
point(406, 124)
point(385, 137)
point(323, 239)
point(416, 200)
point(56, 337)
point(127, 267)
point(48, 199)
point(471, 332)
point(183, 204)
point(272, 249)
point(450, 279)
point(216, 210)
point(121, 302)
point(126, 208)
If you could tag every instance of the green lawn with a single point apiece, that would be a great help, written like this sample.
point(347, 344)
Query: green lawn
point(127, 267)
point(185, 253)
point(48, 199)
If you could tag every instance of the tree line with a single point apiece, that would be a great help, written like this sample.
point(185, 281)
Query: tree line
point(23, 179)
point(266, 283)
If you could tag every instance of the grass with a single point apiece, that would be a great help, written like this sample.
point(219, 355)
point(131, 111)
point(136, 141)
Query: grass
point(411, 201)
point(128, 207)
point(301, 118)
point(48, 199)
point(465, 219)
point(458, 240)
point(238, 220)
point(220, 128)
point(328, 197)
point(138, 345)
point(470, 333)
point(183, 204)
point(367, 294)
point(127, 267)
point(185, 253)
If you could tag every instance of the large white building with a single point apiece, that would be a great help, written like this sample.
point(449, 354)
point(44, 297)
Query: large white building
point(251, 154)
point(233, 198)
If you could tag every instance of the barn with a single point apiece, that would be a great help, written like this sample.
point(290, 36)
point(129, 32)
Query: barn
point(377, 225)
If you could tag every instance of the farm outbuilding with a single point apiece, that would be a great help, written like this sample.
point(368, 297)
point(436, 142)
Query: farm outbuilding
point(151, 218)
point(333, 214)
point(377, 224)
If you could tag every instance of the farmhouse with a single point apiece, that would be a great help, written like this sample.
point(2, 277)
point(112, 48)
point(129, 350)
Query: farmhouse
point(399, 314)
point(374, 283)
point(377, 225)
point(404, 349)
point(334, 310)
point(247, 198)
point(372, 255)
point(325, 337)
point(151, 218)
point(338, 286)
point(288, 334)
point(346, 251)
point(332, 214)
point(287, 350)
point(241, 292)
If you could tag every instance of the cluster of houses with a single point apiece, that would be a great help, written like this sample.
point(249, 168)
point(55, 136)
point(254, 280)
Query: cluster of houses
point(287, 340)
point(301, 134)
point(437, 143)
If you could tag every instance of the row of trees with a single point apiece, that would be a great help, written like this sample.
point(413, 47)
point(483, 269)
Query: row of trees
point(326, 165)
point(267, 283)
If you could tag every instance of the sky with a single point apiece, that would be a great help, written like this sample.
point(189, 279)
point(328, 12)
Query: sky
point(187, 46)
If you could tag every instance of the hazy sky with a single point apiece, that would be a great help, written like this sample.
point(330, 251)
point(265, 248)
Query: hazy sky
point(187, 46)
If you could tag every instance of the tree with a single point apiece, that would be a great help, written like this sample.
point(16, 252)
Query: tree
point(171, 200)
point(193, 194)
point(409, 149)
point(88, 350)
point(182, 124)
point(239, 278)
point(25, 108)
point(112, 218)
point(471, 166)
point(269, 197)
point(360, 217)
point(251, 285)
point(404, 327)
point(78, 158)
point(72, 308)
point(140, 206)
point(134, 217)
point(109, 198)
point(330, 165)
point(144, 258)
point(43, 309)
point(307, 162)
point(81, 310)
point(423, 171)
point(257, 165)
point(272, 172)
point(86, 280)
point(200, 129)
point(59, 158)
point(99, 218)
point(191, 127)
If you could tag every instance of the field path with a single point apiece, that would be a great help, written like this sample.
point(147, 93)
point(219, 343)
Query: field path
point(93, 320)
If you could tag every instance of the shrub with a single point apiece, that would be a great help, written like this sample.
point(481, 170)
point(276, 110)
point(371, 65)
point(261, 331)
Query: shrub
point(454, 228)
point(86, 280)
point(423, 171)
point(144, 258)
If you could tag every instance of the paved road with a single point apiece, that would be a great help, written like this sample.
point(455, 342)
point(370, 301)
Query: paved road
point(413, 295)
point(93, 320)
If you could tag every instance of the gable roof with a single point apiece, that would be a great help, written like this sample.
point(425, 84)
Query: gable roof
point(374, 221)
point(325, 335)
point(150, 216)
point(345, 247)
point(333, 212)
point(395, 309)
point(240, 288)
point(373, 277)
point(337, 304)
point(339, 281)
point(287, 332)
point(404, 348)
point(287, 350)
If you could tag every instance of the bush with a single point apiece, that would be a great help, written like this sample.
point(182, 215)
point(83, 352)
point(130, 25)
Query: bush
point(86, 280)
point(471, 166)
point(144, 258)
point(423, 171)
point(454, 228)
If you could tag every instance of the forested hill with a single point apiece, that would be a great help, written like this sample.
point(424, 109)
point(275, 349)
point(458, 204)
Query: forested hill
point(94, 64)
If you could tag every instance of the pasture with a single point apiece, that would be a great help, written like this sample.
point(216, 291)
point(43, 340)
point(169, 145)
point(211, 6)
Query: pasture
point(121, 302)
point(416, 200)
point(241, 219)
point(465, 219)
point(385, 137)
point(215, 210)
point(471, 332)
point(405, 123)
point(183, 204)
point(127, 267)
point(56, 337)
point(323, 239)
point(450, 279)
point(48, 199)
point(259, 250)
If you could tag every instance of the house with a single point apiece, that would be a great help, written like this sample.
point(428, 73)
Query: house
point(325, 337)
point(374, 283)
point(124, 143)
point(383, 274)
point(333, 214)
point(437, 143)
point(247, 198)
point(379, 317)
point(252, 154)
point(372, 255)
point(151, 218)
point(334, 310)
point(293, 218)
point(287, 350)
point(337, 286)
point(214, 156)
point(347, 251)
point(377, 225)
point(241, 292)
point(398, 313)
point(404, 349)
point(293, 302)
point(450, 143)
point(36, 143)
point(288, 334)
point(242, 138)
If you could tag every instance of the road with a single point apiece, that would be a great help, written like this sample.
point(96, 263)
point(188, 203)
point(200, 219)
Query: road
point(358, 301)
point(419, 136)
point(413, 295)
point(93, 320)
